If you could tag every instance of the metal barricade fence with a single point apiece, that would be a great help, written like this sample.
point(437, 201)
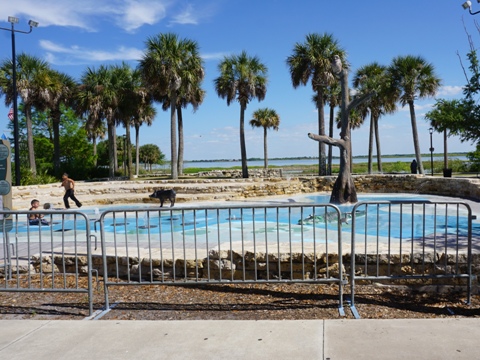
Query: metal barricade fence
point(421, 241)
point(234, 244)
point(51, 254)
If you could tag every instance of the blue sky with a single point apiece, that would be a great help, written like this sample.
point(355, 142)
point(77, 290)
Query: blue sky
point(74, 35)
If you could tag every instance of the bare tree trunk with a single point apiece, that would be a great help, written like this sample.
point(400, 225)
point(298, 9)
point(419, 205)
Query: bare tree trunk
point(180, 140)
point(370, 146)
point(377, 142)
point(344, 188)
point(265, 151)
point(322, 166)
point(416, 143)
point(173, 136)
point(128, 149)
point(111, 146)
point(330, 133)
point(115, 150)
point(137, 148)
point(31, 150)
point(243, 149)
point(94, 144)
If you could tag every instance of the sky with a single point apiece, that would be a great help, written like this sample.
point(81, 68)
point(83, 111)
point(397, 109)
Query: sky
point(75, 35)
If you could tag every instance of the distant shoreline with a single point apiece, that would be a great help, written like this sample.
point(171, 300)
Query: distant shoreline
point(450, 155)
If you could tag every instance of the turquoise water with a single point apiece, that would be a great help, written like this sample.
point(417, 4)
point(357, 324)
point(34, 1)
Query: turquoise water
point(392, 222)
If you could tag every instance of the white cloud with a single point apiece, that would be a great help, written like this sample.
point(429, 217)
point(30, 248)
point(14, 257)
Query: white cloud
point(190, 15)
point(450, 90)
point(135, 13)
point(213, 56)
point(76, 54)
point(87, 14)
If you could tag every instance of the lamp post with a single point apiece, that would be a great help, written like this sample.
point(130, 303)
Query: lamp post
point(124, 155)
point(468, 5)
point(13, 20)
point(431, 148)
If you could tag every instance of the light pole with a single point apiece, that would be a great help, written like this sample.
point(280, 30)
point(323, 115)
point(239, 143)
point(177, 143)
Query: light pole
point(13, 20)
point(431, 148)
point(468, 5)
point(124, 155)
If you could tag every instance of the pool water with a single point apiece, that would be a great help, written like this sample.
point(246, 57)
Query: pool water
point(394, 221)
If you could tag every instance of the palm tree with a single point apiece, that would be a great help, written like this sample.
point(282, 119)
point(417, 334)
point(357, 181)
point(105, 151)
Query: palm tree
point(372, 78)
point(311, 61)
point(95, 130)
point(333, 98)
point(168, 64)
point(146, 114)
point(266, 118)
point(99, 97)
point(61, 92)
point(412, 77)
point(242, 78)
point(188, 94)
point(33, 77)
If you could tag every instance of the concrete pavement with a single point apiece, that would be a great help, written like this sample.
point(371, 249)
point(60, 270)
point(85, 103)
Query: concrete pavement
point(455, 338)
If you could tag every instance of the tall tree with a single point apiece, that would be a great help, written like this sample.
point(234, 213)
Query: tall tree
point(344, 188)
point(311, 62)
point(372, 78)
point(412, 77)
point(189, 93)
point(146, 114)
point(33, 77)
point(61, 91)
point(333, 98)
point(168, 63)
point(267, 119)
point(99, 95)
point(242, 78)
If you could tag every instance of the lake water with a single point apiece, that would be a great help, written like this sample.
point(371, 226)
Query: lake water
point(288, 162)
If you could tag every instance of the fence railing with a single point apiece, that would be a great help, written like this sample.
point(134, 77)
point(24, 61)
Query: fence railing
point(419, 241)
point(52, 254)
point(407, 241)
point(240, 244)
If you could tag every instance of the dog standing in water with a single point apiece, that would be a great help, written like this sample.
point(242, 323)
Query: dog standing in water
point(165, 195)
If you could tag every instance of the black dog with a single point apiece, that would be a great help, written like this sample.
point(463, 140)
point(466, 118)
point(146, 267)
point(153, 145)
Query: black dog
point(163, 195)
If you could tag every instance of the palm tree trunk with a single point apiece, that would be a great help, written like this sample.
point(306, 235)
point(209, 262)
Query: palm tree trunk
point(111, 152)
point(379, 152)
point(94, 145)
point(265, 148)
point(243, 149)
point(173, 135)
point(56, 141)
point(322, 167)
point(129, 153)
point(31, 151)
point(180, 140)
point(416, 143)
point(370, 145)
point(137, 149)
point(115, 152)
point(330, 147)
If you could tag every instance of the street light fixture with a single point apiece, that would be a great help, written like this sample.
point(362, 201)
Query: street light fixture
point(431, 148)
point(14, 20)
point(468, 5)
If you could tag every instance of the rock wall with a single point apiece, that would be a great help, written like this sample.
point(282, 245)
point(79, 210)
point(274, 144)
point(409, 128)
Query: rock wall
point(262, 266)
point(197, 189)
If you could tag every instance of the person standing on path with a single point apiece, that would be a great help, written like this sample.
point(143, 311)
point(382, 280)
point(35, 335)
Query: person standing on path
point(69, 186)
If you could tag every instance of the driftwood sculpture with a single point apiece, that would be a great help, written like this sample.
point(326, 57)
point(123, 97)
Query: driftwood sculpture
point(344, 187)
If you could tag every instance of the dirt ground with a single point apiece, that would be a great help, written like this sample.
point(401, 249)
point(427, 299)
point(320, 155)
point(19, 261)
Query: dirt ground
point(241, 302)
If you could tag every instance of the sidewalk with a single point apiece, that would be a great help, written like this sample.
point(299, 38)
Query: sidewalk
point(309, 339)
